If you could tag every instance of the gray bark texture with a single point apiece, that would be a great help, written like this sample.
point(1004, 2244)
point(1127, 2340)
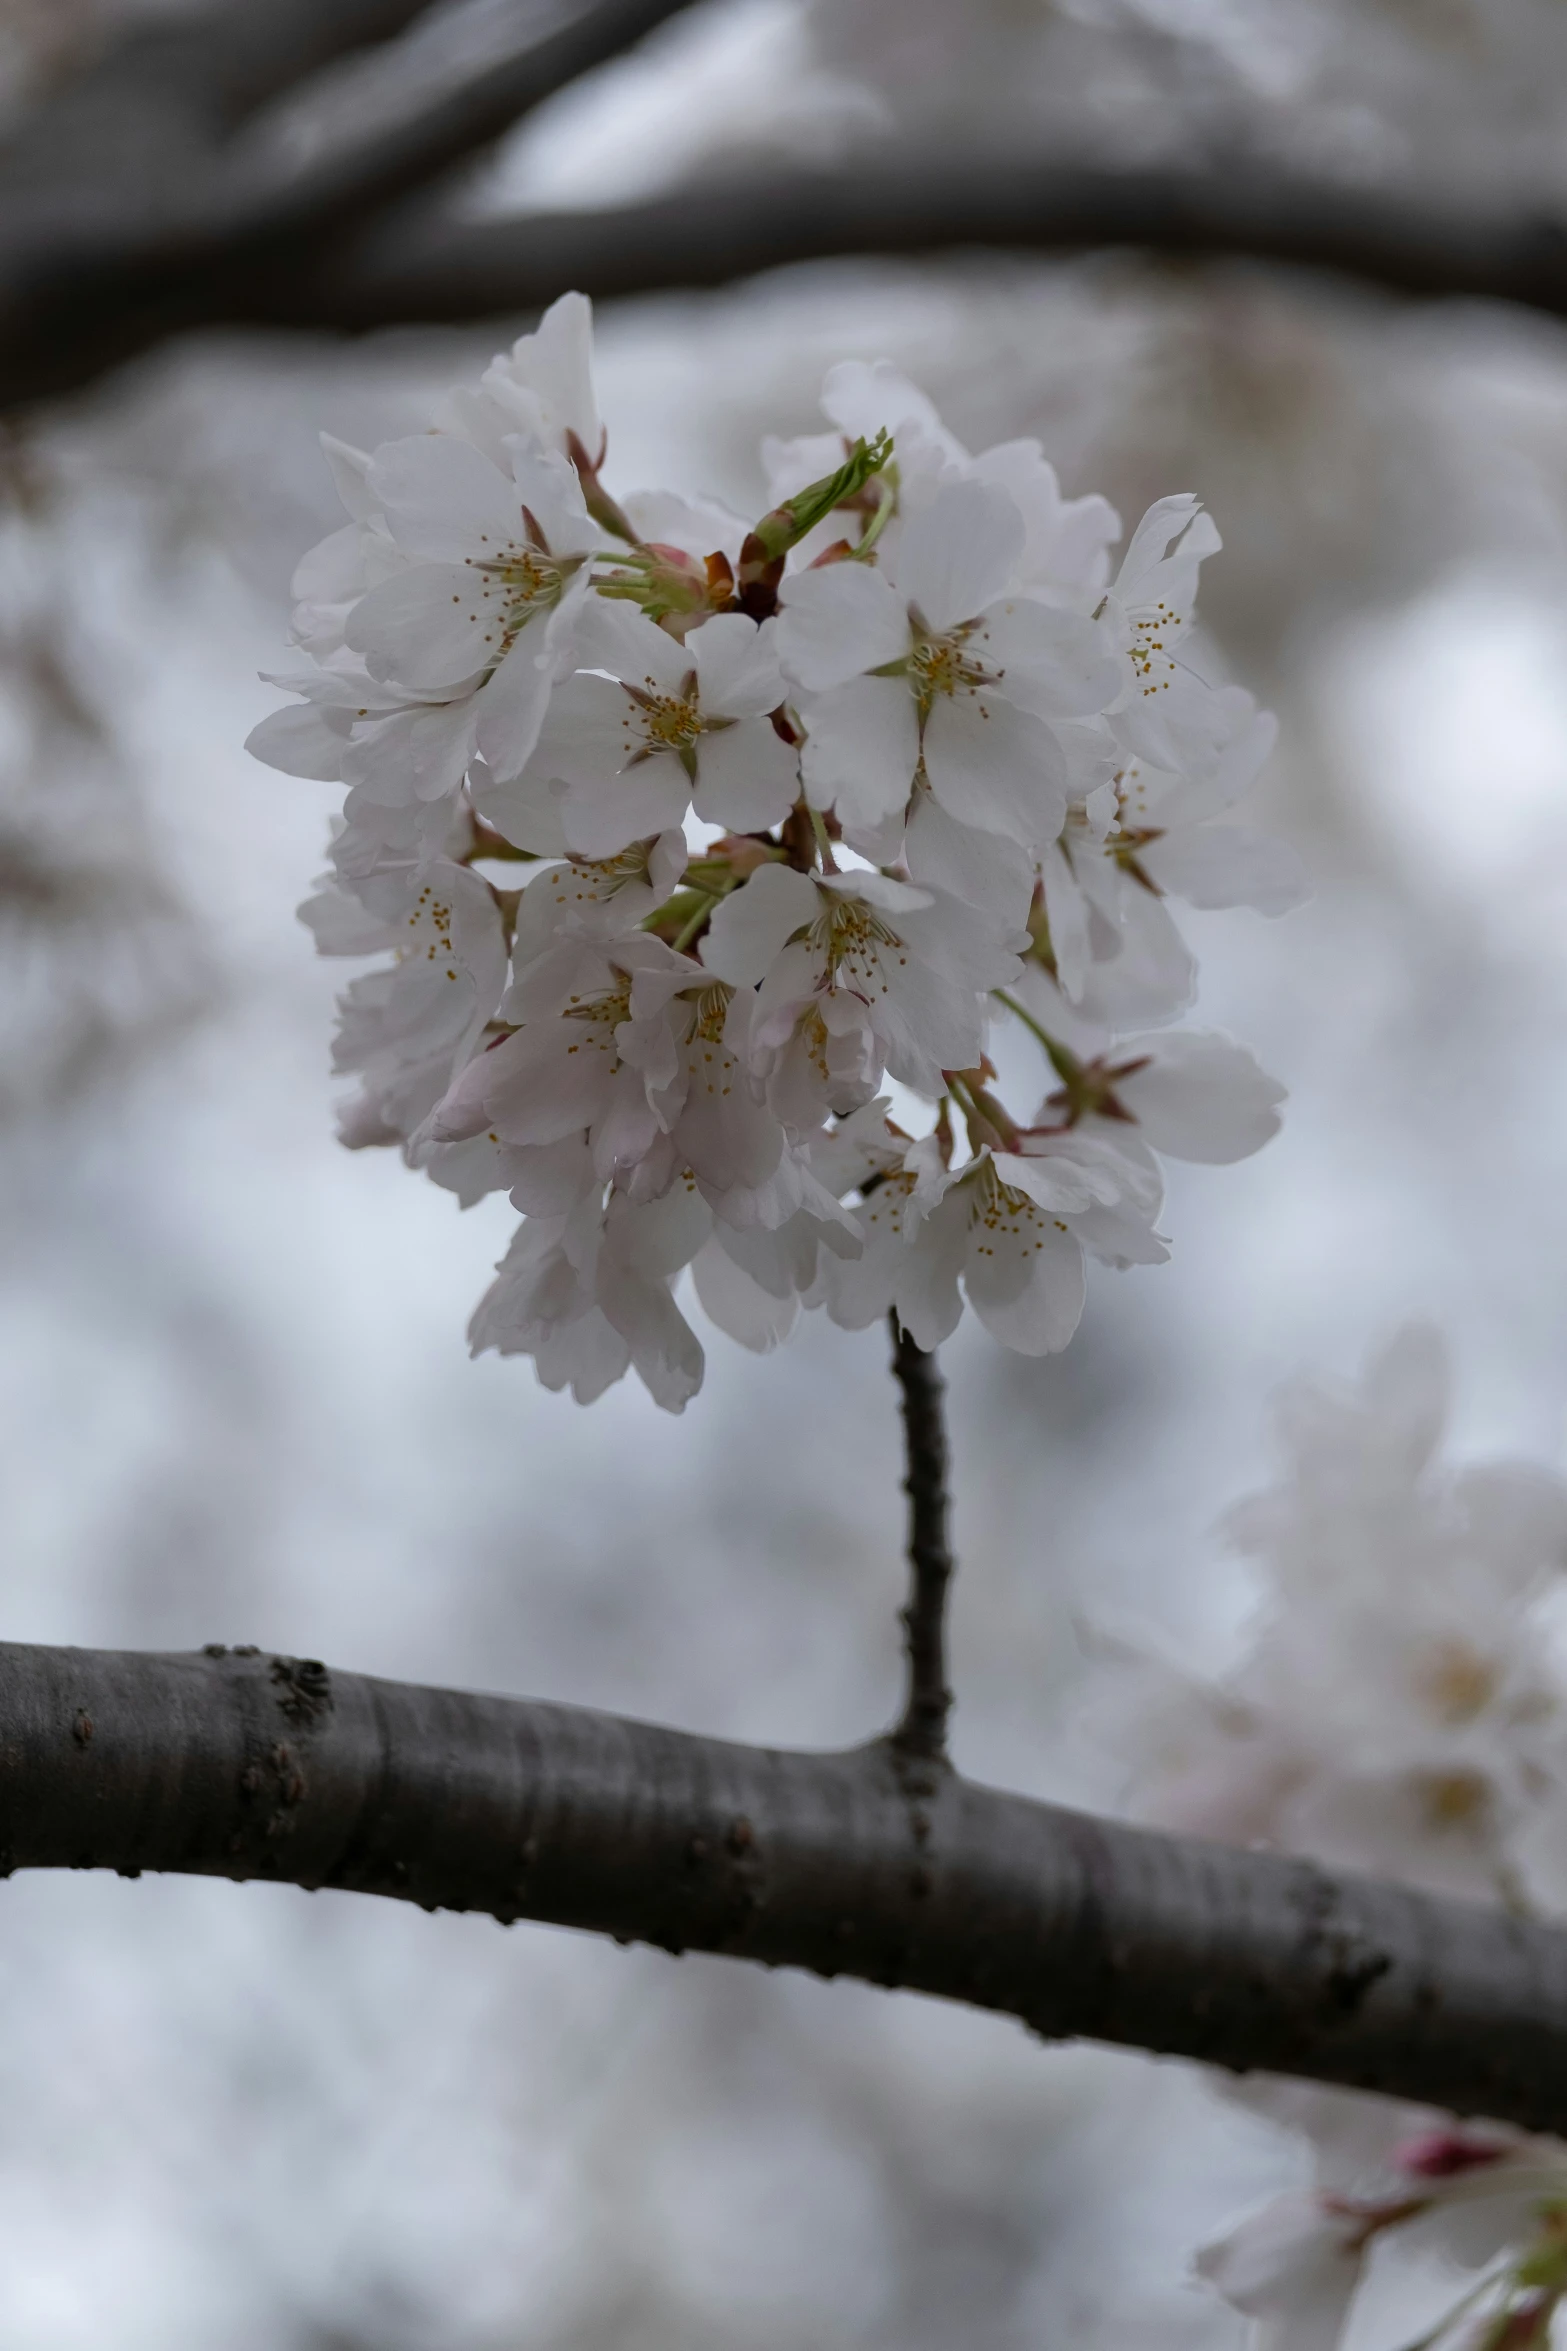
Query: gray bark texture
point(870, 1863)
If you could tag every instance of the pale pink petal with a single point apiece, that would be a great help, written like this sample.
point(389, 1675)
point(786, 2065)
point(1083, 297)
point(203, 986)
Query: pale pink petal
point(747, 776)
point(753, 925)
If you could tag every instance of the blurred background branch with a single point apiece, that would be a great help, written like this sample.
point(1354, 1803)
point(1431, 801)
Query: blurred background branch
point(154, 194)
point(220, 173)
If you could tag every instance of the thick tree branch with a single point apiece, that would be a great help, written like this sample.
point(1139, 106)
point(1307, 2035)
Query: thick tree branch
point(423, 267)
point(418, 263)
point(246, 1765)
point(922, 1732)
point(128, 211)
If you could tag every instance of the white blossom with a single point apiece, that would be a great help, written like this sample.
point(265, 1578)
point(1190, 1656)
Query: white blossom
point(542, 389)
point(405, 1028)
point(589, 1296)
point(669, 725)
point(958, 763)
point(856, 974)
point(927, 663)
point(1469, 2195)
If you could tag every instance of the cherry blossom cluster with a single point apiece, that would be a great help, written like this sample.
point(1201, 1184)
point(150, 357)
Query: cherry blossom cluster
point(806, 814)
point(1399, 1707)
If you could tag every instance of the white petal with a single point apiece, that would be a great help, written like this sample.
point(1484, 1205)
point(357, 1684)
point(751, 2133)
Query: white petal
point(666, 1354)
point(986, 870)
point(419, 754)
point(545, 381)
point(342, 926)
point(925, 1288)
point(606, 815)
point(443, 501)
point(697, 526)
point(747, 776)
point(299, 740)
point(434, 626)
point(752, 926)
point(591, 730)
point(837, 622)
point(738, 1305)
point(1026, 1282)
point(957, 556)
point(1200, 1096)
point(864, 398)
point(995, 766)
point(547, 486)
point(1292, 2264)
point(1148, 570)
point(1227, 865)
point(514, 701)
point(350, 469)
point(525, 809)
point(616, 637)
point(736, 666)
point(861, 749)
point(1057, 664)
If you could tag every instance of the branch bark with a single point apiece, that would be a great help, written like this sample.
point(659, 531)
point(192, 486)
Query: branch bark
point(416, 263)
point(129, 211)
point(421, 266)
point(424, 266)
point(922, 1732)
point(247, 1765)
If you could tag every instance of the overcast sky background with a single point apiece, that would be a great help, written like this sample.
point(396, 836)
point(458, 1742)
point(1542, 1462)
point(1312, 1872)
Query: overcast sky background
point(235, 1402)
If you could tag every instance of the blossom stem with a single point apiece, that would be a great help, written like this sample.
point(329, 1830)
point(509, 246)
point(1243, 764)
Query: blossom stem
point(823, 841)
point(922, 1731)
point(1066, 1065)
point(696, 920)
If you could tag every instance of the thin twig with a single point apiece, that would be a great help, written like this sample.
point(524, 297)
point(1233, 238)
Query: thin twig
point(923, 1729)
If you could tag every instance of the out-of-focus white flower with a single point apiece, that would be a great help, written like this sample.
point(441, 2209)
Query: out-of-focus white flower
point(1401, 1706)
point(1296, 2264)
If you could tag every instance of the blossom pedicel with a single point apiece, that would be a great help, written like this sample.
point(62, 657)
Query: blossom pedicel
point(810, 805)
